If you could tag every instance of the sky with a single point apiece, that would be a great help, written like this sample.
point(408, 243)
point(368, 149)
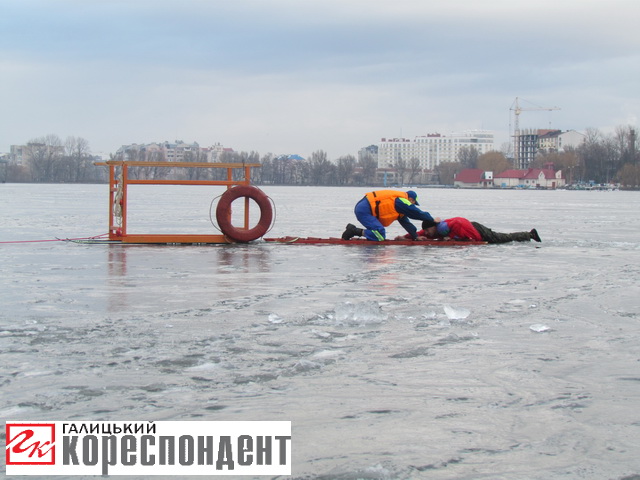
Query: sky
point(298, 76)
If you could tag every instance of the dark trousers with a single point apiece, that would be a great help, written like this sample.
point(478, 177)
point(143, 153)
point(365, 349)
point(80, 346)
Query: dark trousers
point(490, 236)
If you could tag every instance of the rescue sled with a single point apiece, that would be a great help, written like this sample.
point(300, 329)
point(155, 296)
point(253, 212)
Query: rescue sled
point(238, 186)
point(361, 241)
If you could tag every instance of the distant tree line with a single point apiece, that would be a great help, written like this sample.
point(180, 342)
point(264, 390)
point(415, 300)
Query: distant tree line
point(50, 160)
point(613, 158)
point(600, 159)
point(316, 170)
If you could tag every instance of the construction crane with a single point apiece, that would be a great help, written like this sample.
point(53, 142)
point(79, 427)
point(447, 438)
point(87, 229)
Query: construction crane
point(517, 109)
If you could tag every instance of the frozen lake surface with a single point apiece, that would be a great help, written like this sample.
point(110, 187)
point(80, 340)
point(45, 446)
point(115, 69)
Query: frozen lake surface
point(501, 362)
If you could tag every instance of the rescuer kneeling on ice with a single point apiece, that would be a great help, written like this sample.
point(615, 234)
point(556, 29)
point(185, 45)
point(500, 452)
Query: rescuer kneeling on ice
point(380, 209)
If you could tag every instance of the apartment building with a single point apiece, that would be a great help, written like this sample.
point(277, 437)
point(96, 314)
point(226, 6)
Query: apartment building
point(20, 154)
point(529, 142)
point(177, 151)
point(432, 149)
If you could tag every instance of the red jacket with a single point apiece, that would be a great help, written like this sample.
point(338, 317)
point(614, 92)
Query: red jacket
point(458, 228)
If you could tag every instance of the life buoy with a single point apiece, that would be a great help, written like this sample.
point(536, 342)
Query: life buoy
point(223, 213)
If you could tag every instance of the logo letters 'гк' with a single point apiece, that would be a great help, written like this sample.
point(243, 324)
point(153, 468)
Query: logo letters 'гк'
point(32, 445)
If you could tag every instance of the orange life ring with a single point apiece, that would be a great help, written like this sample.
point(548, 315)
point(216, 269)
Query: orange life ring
point(223, 213)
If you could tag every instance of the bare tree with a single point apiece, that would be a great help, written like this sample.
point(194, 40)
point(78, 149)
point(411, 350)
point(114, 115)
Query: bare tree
point(346, 167)
point(368, 167)
point(446, 172)
point(264, 174)
point(400, 166)
point(320, 168)
point(77, 160)
point(625, 145)
point(598, 157)
point(43, 156)
point(299, 171)
point(247, 157)
point(493, 161)
point(133, 154)
point(414, 168)
point(157, 173)
point(468, 157)
point(629, 176)
point(507, 149)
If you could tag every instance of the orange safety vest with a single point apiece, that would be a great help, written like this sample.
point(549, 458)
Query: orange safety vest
point(382, 205)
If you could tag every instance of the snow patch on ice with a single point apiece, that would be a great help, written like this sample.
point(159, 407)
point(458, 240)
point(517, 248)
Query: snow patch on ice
point(362, 313)
point(456, 313)
point(539, 328)
point(203, 367)
point(324, 355)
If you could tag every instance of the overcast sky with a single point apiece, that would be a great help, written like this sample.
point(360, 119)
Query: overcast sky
point(296, 76)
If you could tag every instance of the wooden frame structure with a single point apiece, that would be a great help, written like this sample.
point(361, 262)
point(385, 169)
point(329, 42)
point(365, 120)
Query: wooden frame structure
point(118, 208)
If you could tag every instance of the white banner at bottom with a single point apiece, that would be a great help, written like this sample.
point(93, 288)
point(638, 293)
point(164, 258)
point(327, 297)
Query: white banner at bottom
point(148, 448)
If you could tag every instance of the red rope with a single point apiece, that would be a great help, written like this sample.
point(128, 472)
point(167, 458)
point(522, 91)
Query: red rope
point(58, 239)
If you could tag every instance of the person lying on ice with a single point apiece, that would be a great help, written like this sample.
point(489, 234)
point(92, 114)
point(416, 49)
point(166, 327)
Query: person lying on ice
point(380, 209)
point(459, 228)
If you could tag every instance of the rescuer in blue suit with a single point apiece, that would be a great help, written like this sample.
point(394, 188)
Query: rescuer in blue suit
point(380, 208)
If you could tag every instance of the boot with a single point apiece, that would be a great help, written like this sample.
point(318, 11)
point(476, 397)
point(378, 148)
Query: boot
point(534, 235)
point(351, 231)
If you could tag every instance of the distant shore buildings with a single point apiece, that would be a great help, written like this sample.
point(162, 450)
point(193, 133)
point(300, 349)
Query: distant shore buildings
point(394, 159)
point(529, 142)
point(432, 149)
point(177, 151)
point(546, 177)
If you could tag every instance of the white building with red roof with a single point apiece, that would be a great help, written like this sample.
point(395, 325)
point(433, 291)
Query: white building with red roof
point(473, 178)
point(543, 178)
point(528, 178)
point(509, 179)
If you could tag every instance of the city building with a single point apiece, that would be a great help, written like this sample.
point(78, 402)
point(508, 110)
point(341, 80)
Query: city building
point(3, 168)
point(558, 141)
point(20, 154)
point(433, 149)
point(570, 139)
point(473, 178)
point(371, 152)
point(509, 179)
point(17, 154)
point(528, 178)
point(177, 151)
point(529, 142)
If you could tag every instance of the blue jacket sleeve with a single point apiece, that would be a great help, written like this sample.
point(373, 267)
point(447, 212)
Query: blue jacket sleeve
point(408, 226)
point(411, 211)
